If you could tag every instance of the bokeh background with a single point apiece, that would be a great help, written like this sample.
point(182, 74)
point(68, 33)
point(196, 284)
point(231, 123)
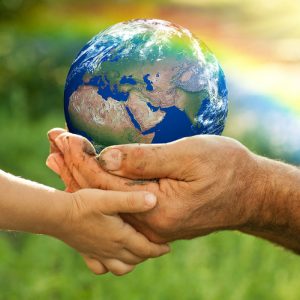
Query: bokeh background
point(258, 45)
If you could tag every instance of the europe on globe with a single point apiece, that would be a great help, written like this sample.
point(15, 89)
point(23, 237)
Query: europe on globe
point(145, 81)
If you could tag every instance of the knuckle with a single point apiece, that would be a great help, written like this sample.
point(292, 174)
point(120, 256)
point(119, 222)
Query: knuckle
point(140, 167)
point(154, 251)
point(138, 152)
point(138, 162)
point(235, 150)
point(81, 204)
point(120, 239)
point(130, 200)
point(147, 252)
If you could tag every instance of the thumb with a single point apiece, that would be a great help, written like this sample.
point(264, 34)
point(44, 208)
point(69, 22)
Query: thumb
point(113, 202)
point(142, 161)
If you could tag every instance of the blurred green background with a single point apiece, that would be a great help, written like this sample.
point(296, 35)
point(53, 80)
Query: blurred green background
point(257, 44)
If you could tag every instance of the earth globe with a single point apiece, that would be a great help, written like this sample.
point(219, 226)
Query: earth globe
point(144, 81)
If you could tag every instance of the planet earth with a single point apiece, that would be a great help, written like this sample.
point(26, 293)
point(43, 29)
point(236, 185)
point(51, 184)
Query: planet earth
point(145, 81)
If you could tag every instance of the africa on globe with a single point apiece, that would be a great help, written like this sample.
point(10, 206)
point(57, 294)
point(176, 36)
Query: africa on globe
point(145, 81)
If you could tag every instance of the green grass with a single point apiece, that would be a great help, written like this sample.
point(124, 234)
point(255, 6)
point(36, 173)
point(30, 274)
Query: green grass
point(225, 265)
point(37, 47)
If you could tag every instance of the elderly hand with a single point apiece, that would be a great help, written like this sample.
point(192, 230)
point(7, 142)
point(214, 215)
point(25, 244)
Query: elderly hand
point(201, 182)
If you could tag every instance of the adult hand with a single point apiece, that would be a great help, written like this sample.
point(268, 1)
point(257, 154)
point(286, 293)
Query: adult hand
point(201, 182)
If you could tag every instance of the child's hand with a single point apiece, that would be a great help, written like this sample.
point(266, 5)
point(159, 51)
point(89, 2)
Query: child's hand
point(93, 227)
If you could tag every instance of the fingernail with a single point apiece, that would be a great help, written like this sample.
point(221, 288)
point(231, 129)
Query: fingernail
point(88, 148)
point(110, 159)
point(52, 164)
point(150, 199)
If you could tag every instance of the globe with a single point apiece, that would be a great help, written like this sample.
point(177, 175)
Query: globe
point(145, 81)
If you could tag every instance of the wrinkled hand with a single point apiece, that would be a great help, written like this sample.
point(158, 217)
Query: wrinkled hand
point(200, 182)
point(93, 227)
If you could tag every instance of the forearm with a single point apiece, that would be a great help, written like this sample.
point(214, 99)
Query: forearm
point(28, 206)
point(276, 205)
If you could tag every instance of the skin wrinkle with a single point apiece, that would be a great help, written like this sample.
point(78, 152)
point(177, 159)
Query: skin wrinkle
point(239, 177)
point(240, 210)
point(141, 166)
point(272, 219)
point(124, 156)
point(279, 212)
point(136, 182)
point(140, 182)
point(262, 181)
point(138, 152)
point(293, 203)
point(232, 189)
point(159, 156)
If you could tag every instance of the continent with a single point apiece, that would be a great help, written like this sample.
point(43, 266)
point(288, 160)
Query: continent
point(163, 92)
point(192, 77)
point(145, 81)
point(161, 87)
point(106, 121)
point(144, 114)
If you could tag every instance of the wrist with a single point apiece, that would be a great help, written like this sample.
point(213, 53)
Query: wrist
point(273, 198)
point(53, 222)
point(247, 187)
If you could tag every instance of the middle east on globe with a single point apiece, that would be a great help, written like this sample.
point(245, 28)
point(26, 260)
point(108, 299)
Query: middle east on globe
point(145, 81)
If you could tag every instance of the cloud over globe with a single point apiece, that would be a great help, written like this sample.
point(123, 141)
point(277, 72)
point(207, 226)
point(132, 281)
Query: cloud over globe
point(145, 81)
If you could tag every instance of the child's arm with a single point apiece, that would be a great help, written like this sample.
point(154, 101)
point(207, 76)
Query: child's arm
point(29, 206)
point(86, 220)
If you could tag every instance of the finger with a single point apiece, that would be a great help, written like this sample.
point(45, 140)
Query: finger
point(52, 135)
point(117, 267)
point(130, 258)
point(143, 227)
point(94, 265)
point(81, 162)
point(126, 202)
point(139, 245)
point(52, 163)
point(62, 142)
point(141, 161)
point(81, 180)
point(77, 151)
point(56, 163)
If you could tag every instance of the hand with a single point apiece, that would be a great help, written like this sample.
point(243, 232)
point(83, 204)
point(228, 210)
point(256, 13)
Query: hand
point(92, 226)
point(202, 186)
